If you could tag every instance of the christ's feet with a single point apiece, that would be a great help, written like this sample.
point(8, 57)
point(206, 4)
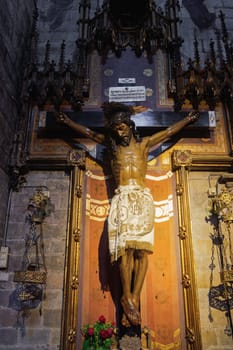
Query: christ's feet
point(131, 311)
point(125, 321)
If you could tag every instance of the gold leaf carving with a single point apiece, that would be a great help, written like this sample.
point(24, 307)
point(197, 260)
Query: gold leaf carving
point(74, 282)
point(186, 281)
point(72, 336)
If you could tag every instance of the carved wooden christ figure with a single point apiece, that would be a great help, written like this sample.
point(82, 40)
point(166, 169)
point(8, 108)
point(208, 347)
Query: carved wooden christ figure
point(131, 217)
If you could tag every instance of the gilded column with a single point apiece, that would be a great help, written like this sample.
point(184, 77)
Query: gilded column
point(181, 162)
point(76, 162)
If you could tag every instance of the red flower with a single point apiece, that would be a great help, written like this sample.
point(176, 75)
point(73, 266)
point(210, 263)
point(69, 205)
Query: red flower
point(102, 319)
point(100, 332)
point(104, 333)
point(90, 331)
point(110, 332)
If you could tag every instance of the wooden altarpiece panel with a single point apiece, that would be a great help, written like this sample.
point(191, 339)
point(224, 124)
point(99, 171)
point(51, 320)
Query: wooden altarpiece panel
point(161, 306)
point(170, 316)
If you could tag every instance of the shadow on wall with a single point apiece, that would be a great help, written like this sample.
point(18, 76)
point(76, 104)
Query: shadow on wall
point(55, 15)
point(199, 13)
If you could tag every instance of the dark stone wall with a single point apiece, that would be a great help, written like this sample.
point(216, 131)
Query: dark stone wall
point(40, 328)
point(58, 21)
point(15, 24)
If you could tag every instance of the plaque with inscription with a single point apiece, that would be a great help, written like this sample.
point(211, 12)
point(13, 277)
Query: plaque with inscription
point(127, 93)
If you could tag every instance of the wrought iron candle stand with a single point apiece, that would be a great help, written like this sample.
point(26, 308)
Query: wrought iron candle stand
point(31, 279)
point(221, 219)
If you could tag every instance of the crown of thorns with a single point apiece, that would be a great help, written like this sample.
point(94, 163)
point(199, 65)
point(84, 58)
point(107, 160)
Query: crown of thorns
point(116, 113)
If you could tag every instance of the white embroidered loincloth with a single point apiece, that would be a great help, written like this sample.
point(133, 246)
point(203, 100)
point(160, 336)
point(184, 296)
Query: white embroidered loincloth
point(131, 221)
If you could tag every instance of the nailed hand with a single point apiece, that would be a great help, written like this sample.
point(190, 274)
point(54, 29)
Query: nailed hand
point(61, 118)
point(193, 116)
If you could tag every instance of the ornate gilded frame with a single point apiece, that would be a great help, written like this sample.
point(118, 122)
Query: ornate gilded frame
point(183, 161)
point(76, 161)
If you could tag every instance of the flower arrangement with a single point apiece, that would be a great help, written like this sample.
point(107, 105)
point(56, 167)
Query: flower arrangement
point(98, 336)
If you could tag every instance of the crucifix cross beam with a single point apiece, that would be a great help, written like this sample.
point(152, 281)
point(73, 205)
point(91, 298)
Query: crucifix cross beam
point(147, 123)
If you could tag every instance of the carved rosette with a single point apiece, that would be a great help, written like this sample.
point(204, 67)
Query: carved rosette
point(190, 335)
point(186, 281)
point(76, 235)
point(74, 282)
point(179, 189)
point(72, 336)
point(77, 158)
point(79, 191)
point(182, 232)
point(181, 158)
